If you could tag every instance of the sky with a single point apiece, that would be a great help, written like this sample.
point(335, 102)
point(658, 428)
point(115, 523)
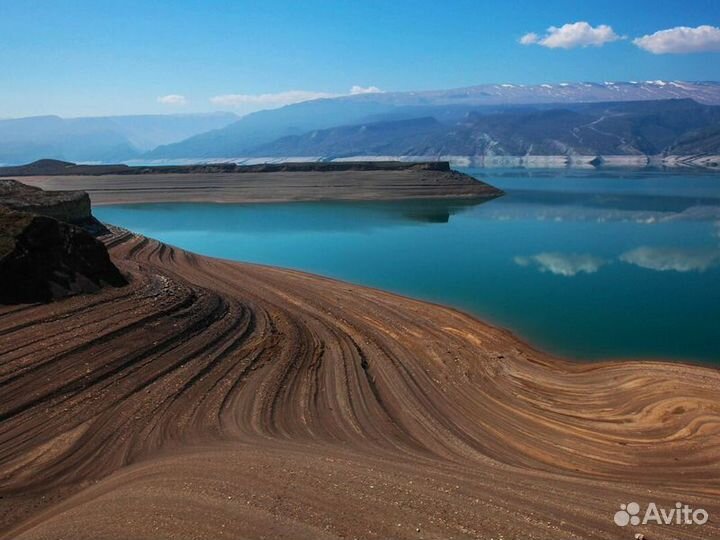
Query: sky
point(98, 57)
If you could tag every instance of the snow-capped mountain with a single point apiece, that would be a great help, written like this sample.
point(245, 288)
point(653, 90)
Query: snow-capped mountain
point(497, 94)
point(259, 131)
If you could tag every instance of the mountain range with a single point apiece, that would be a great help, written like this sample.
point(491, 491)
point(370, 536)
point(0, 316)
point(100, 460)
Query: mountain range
point(594, 119)
point(101, 139)
point(677, 126)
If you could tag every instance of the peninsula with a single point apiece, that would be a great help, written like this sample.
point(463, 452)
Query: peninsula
point(230, 183)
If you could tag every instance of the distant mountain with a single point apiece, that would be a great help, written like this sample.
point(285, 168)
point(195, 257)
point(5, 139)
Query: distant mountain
point(373, 138)
point(149, 131)
point(624, 128)
point(27, 139)
point(266, 126)
point(583, 92)
point(103, 139)
point(438, 122)
point(251, 132)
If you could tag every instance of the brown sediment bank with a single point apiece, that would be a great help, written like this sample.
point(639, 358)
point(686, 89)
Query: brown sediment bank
point(54, 167)
point(212, 399)
point(273, 183)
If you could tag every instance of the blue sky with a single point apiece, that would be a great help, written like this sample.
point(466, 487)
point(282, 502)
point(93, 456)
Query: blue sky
point(77, 58)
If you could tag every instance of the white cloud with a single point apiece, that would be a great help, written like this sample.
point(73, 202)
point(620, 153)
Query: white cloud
point(529, 38)
point(364, 90)
point(268, 100)
point(669, 258)
point(571, 35)
point(562, 264)
point(280, 99)
point(681, 39)
point(173, 99)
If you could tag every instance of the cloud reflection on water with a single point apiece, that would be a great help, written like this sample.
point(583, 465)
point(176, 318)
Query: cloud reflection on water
point(660, 259)
point(562, 264)
point(675, 259)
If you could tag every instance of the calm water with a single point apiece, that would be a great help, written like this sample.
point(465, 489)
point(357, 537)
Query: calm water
point(586, 264)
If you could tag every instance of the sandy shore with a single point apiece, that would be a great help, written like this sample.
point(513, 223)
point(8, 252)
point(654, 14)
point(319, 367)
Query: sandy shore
point(251, 187)
point(211, 399)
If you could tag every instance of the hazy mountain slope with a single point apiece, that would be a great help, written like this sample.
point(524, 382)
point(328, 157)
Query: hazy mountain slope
point(265, 126)
point(86, 139)
point(148, 131)
point(632, 128)
point(108, 139)
point(375, 138)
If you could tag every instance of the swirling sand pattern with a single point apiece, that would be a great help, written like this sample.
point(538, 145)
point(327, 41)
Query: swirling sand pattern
point(211, 399)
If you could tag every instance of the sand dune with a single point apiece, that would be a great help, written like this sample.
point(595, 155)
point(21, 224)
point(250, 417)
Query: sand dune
point(211, 399)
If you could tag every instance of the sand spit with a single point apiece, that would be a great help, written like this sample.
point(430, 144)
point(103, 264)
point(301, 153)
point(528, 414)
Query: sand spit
point(211, 399)
point(269, 183)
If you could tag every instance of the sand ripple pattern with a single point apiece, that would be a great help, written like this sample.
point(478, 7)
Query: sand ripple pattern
point(211, 399)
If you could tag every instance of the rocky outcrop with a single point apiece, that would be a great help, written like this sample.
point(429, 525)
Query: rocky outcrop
point(68, 206)
point(43, 259)
point(47, 248)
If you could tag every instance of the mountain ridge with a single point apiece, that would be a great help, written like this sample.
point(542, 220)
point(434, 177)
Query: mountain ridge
point(241, 138)
point(647, 128)
point(147, 138)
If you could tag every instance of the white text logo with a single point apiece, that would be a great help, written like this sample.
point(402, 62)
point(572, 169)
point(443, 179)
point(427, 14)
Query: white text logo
point(681, 514)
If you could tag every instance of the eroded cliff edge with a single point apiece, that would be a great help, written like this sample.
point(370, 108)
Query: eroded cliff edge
point(47, 247)
point(68, 206)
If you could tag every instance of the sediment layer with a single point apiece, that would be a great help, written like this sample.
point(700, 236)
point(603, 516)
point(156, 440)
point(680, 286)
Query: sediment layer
point(53, 167)
point(211, 399)
point(228, 183)
point(274, 186)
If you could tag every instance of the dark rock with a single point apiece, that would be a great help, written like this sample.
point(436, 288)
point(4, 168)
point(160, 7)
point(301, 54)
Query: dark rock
point(68, 206)
point(43, 259)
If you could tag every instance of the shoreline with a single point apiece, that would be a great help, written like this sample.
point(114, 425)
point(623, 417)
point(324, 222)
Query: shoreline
point(250, 187)
point(704, 162)
point(252, 382)
point(486, 319)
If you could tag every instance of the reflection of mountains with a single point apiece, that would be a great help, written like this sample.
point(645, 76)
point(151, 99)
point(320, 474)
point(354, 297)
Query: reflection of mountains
point(602, 206)
point(436, 211)
point(634, 201)
point(591, 172)
point(287, 217)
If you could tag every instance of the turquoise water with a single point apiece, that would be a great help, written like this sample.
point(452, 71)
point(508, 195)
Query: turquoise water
point(585, 264)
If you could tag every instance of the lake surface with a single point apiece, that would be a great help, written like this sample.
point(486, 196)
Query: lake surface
point(585, 264)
